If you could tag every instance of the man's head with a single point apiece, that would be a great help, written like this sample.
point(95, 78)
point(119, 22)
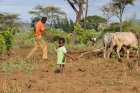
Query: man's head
point(44, 19)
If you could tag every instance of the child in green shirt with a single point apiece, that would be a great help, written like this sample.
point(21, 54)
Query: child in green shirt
point(61, 54)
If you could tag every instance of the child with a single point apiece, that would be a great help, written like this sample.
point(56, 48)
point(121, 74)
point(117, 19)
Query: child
point(61, 54)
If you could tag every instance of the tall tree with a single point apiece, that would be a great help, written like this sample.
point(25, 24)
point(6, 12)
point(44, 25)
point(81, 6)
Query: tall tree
point(93, 22)
point(86, 13)
point(78, 6)
point(108, 11)
point(53, 13)
point(119, 8)
point(8, 20)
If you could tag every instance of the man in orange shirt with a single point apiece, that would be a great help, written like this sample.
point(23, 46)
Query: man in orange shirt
point(39, 28)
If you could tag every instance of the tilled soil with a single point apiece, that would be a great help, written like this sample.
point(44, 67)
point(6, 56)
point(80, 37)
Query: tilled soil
point(88, 74)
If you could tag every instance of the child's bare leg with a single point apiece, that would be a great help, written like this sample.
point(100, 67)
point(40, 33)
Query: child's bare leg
point(61, 68)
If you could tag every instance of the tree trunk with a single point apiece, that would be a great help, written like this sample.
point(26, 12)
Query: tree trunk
point(80, 12)
point(121, 16)
point(120, 19)
point(86, 14)
point(78, 18)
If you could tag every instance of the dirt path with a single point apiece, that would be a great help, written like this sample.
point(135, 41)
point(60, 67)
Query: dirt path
point(89, 74)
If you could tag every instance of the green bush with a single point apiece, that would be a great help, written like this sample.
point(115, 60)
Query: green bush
point(8, 38)
point(83, 35)
point(114, 27)
point(131, 24)
point(53, 34)
point(2, 44)
point(55, 38)
point(69, 38)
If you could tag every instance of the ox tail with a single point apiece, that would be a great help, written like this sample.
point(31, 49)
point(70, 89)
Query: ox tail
point(138, 38)
point(138, 45)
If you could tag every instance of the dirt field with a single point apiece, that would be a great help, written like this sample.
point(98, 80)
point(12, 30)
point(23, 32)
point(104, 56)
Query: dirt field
point(88, 74)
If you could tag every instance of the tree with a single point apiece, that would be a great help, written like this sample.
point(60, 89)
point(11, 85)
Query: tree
point(54, 14)
point(8, 20)
point(119, 8)
point(8, 27)
point(108, 11)
point(78, 6)
point(86, 13)
point(92, 22)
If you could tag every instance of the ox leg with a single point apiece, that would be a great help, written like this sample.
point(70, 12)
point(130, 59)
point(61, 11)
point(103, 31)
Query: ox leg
point(118, 51)
point(105, 50)
point(138, 53)
point(128, 51)
point(110, 51)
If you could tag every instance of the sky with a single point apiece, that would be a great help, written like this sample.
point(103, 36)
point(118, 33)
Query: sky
point(22, 7)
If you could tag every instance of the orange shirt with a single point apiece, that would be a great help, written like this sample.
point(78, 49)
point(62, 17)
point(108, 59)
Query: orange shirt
point(39, 28)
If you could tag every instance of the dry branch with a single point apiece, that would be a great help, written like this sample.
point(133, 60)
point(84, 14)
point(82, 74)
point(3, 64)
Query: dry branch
point(96, 51)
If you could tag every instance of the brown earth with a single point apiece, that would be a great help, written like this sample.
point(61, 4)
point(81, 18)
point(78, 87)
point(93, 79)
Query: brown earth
point(88, 74)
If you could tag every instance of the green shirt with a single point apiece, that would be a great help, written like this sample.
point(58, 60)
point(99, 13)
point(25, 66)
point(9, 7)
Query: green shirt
point(61, 55)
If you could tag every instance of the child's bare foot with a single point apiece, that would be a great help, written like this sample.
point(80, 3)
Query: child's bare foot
point(57, 71)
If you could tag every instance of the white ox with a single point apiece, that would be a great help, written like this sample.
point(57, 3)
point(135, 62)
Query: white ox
point(107, 39)
point(120, 40)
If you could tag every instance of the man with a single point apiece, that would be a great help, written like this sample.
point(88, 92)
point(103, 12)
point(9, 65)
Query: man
point(39, 28)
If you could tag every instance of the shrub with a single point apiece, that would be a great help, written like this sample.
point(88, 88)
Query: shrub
point(53, 34)
point(114, 27)
point(68, 38)
point(55, 38)
point(131, 24)
point(8, 38)
point(83, 35)
point(2, 44)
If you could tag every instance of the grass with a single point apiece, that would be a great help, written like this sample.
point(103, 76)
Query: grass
point(13, 65)
point(23, 39)
point(10, 87)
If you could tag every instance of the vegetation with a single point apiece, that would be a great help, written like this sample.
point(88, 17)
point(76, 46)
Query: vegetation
point(108, 12)
point(83, 35)
point(55, 15)
point(2, 44)
point(8, 21)
point(17, 65)
point(117, 8)
point(92, 22)
point(85, 27)
point(6, 40)
point(78, 6)
point(36, 75)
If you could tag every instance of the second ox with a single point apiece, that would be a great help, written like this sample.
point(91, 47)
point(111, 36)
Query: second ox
point(127, 40)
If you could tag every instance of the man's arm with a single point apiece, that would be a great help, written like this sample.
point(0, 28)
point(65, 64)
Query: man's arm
point(42, 27)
